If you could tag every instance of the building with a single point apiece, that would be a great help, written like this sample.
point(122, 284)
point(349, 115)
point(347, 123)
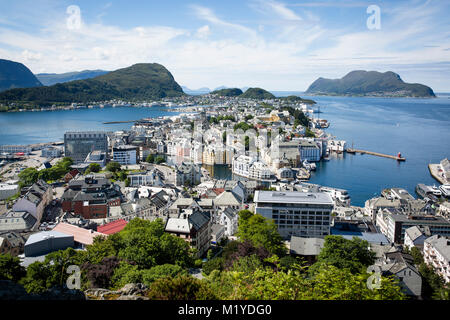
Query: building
point(401, 266)
point(194, 227)
point(34, 199)
point(112, 227)
point(436, 252)
point(77, 145)
point(396, 225)
point(44, 242)
point(81, 237)
point(17, 221)
point(91, 197)
point(13, 243)
point(8, 190)
point(96, 156)
point(229, 219)
point(152, 178)
point(309, 150)
point(15, 149)
point(188, 174)
point(249, 167)
point(307, 248)
point(126, 154)
point(304, 214)
point(51, 152)
point(415, 236)
point(372, 206)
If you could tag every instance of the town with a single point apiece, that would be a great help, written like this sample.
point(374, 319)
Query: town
point(93, 184)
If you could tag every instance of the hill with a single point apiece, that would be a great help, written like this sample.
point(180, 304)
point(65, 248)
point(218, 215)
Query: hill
point(16, 75)
point(297, 99)
point(257, 93)
point(49, 79)
point(369, 83)
point(231, 92)
point(145, 81)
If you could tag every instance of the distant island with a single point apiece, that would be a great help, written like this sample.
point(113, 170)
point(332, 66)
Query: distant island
point(369, 83)
point(144, 81)
point(16, 75)
point(257, 93)
point(49, 79)
point(228, 92)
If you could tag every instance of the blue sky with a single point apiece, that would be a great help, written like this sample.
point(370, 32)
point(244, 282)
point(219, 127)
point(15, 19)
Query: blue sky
point(277, 45)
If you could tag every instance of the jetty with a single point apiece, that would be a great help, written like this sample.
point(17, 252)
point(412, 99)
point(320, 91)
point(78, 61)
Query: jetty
point(397, 157)
point(116, 122)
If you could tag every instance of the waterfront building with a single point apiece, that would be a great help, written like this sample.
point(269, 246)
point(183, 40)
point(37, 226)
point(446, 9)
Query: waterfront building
point(304, 214)
point(309, 150)
point(249, 167)
point(8, 190)
point(436, 252)
point(51, 152)
point(77, 145)
point(15, 149)
point(126, 154)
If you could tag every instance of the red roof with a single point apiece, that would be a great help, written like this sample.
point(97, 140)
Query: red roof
point(80, 235)
point(112, 227)
point(218, 190)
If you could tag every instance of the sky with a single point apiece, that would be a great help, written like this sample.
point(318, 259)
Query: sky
point(275, 45)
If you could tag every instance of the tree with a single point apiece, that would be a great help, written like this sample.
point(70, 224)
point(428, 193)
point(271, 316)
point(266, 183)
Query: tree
point(113, 166)
point(94, 167)
point(159, 160)
point(10, 268)
point(342, 253)
point(150, 158)
point(261, 232)
point(165, 270)
point(29, 176)
point(180, 288)
point(213, 264)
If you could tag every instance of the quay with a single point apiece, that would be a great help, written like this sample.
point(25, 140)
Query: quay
point(435, 173)
point(116, 122)
point(398, 157)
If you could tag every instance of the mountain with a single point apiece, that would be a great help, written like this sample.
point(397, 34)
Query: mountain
point(231, 92)
point(144, 81)
point(49, 79)
point(369, 83)
point(293, 99)
point(257, 93)
point(16, 75)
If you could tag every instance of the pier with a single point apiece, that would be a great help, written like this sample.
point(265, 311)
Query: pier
point(398, 157)
point(116, 122)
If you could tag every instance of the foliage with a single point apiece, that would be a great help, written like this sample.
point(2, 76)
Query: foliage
point(228, 92)
point(257, 93)
point(150, 158)
point(113, 166)
point(159, 160)
point(100, 275)
point(345, 254)
point(180, 288)
point(29, 176)
point(94, 167)
point(213, 264)
point(217, 119)
point(243, 126)
point(260, 232)
point(10, 268)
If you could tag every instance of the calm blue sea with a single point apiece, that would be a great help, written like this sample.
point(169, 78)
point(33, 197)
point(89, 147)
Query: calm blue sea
point(418, 128)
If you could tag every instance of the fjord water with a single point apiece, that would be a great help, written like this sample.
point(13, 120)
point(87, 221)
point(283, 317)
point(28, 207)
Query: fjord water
point(418, 128)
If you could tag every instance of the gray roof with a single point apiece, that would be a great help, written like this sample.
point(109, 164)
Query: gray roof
point(441, 244)
point(306, 246)
point(293, 197)
point(17, 220)
point(44, 235)
point(198, 219)
point(415, 232)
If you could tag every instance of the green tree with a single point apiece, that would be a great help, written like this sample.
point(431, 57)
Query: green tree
point(261, 232)
point(150, 158)
point(29, 176)
point(113, 166)
point(180, 288)
point(94, 167)
point(10, 268)
point(213, 264)
point(342, 253)
point(159, 160)
point(161, 271)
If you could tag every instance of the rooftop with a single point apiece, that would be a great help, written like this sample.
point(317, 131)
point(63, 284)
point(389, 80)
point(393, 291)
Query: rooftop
point(293, 197)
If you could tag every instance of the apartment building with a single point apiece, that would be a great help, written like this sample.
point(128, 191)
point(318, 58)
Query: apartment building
point(436, 252)
point(77, 145)
point(304, 214)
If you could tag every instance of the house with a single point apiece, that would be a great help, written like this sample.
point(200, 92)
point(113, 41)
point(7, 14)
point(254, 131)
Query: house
point(228, 199)
point(436, 252)
point(307, 248)
point(34, 199)
point(72, 174)
point(112, 227)
point(82, 237)
point(194, 227)
point(415, 236)
point(229, 219)
point(18, 221)
point(8, 190)
point(217, 233)
point(14, 242)
point(42, 243)
point(401, 266)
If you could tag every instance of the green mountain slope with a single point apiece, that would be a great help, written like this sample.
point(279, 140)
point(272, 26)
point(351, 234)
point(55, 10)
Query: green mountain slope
point(369, 83)
point(49, 79)
point(16, 75)
point(257, 93)
point(228, 92)
point(145, 81)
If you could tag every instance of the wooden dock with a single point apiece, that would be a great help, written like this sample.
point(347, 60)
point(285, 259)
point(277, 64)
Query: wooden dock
point(351, 150)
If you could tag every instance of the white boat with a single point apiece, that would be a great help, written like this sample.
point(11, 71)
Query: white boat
point(445, 190)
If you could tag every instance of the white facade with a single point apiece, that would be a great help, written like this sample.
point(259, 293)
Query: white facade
point(125, 155)
point(436, 252)
point(310, 151)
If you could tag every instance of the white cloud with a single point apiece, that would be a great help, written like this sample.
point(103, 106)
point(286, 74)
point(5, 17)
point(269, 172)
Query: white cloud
point(31, 56)
point(203, 32)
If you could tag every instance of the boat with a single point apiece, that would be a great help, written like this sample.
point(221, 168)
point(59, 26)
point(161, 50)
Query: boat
point(309, 166)
point(445, 190)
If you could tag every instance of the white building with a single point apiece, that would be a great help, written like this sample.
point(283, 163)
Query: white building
point(51, 152)
point(305, 214)
point(436, 252)
point(309, 150)
point(249, 167)
point(415, 236)
point(8, 190)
